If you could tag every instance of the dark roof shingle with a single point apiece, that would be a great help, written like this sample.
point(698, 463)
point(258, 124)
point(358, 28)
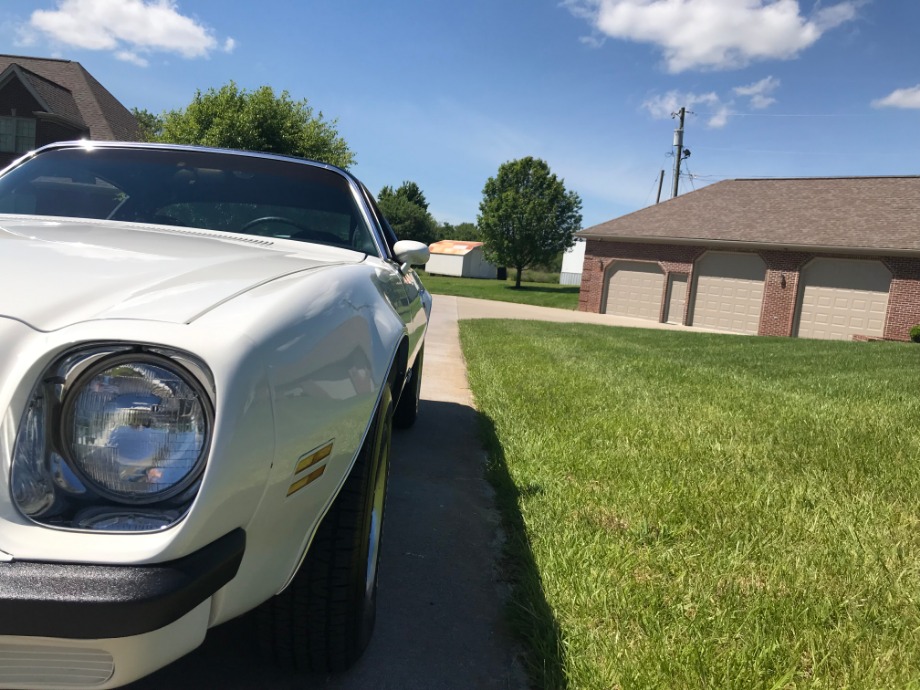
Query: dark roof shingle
point(60, 101)
point(93, 105)
point(844, 213)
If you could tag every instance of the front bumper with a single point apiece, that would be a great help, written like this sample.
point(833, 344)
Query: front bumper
point(88, 602)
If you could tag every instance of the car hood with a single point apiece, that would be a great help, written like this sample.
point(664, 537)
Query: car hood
point(58, 272)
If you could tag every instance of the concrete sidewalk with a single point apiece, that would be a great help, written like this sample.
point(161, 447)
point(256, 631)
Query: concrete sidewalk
point(469, 308)
point(444, 376)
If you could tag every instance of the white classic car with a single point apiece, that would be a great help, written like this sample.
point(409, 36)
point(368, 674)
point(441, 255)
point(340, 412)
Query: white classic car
point(202, 354)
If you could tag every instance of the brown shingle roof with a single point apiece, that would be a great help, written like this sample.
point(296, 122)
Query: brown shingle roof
point(58, 100)
point(99, 110)
point(854, 213)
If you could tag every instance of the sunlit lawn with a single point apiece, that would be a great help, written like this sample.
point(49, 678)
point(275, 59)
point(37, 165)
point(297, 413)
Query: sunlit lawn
point(701, 511)
point(539, 294)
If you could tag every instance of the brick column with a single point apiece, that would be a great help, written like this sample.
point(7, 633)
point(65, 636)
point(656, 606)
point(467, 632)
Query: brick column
point(780, 291)
point(903, 298)
point(592, 284)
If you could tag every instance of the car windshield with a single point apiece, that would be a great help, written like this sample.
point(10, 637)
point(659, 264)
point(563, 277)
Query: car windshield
point(191, 188)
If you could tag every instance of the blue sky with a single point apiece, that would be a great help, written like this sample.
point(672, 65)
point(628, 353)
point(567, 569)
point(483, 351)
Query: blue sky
point(443, 92)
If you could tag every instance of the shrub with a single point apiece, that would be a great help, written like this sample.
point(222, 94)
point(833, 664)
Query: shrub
point(915, 333)
point(532, 275)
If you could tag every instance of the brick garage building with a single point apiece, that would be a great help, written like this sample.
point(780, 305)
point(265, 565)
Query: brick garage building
point(835, 258)
point(44, 100)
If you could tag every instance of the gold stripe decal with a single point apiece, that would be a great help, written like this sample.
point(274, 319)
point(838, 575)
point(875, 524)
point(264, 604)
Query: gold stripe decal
point(306, 462)
point(313, 458)
point(301, 483)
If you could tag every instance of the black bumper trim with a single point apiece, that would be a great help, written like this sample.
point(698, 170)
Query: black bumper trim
point(86, 602)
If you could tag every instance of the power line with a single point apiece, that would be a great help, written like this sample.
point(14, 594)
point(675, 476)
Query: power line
point(768, 151)
point(822, 115)
point(690, 176)
point(711, 177)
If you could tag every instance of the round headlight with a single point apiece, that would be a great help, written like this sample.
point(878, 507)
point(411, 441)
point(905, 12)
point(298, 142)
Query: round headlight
point(136, 428)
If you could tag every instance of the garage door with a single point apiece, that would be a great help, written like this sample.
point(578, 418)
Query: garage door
point(677, 298)
point(634, 289)
point(840, 298)
point(728, 292)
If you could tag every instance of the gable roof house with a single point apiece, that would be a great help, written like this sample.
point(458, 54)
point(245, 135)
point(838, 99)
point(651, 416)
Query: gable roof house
point(44, 100)
point(834, 258)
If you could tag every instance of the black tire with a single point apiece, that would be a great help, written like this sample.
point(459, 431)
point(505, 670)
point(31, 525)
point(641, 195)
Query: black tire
point(407, 409)
point(323, 621)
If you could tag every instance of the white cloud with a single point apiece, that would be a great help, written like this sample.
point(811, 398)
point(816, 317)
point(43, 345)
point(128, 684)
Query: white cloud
point(592, 41)
point(665, 105)
point(128, 27)
point(900, 98)
point(229, 45)
point(714, 34)
point(719, 118)
point(717, 109)
point(759, 92)
point(134, 58)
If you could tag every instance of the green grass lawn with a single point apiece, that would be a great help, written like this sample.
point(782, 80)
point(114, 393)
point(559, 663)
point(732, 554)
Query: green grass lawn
point(701, 511)
point(539, 294)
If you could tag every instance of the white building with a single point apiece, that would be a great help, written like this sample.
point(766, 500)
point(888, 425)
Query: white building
point(572, 261)
point(462, 259)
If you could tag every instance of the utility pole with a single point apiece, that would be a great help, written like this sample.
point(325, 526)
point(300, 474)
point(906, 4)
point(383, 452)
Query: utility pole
point(678, 148)
point(660, 185)
point(679, 151)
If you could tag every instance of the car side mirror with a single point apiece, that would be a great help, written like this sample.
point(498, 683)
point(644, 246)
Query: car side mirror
point(411, 253)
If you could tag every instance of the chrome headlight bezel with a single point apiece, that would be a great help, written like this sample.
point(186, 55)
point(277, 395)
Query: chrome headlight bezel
point(47, 485)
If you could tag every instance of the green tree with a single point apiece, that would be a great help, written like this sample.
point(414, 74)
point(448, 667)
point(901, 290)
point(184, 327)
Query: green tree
point(258, 120)
point(464, 232)
point(412, 192)
point(406, 209)
point(149, 125)
point(526, 215)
